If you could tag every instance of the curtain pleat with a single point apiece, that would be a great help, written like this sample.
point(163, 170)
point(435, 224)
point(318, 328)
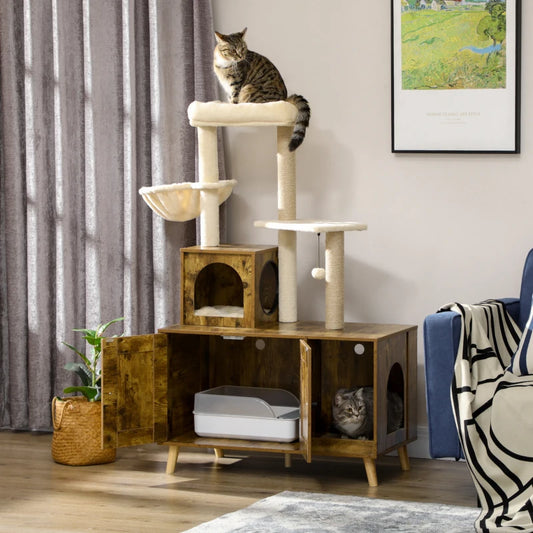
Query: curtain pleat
point(93, 106)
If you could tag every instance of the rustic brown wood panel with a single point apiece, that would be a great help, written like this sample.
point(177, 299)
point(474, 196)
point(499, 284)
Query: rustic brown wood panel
point(310, 330)
point(194, 441)
point(242, 362)
point(391, 351)
point(344, 447)
point(305, 399)
point(316, 386)
point(128, 389)
point(160, 387)
point(135, 401)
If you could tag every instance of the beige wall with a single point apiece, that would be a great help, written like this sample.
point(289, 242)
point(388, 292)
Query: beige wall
point(440, 227)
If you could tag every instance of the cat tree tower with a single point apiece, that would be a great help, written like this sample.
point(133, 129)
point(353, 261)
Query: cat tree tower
point(186, 201)
point(258, 285)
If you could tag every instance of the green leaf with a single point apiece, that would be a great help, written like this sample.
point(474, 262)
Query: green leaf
point(93, 341)
point(101, 328)
point(91, 393)
point(82, 371)
point(85, 359)
point(88, 332)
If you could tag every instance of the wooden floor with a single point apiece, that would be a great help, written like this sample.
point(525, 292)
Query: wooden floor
point(134, 494)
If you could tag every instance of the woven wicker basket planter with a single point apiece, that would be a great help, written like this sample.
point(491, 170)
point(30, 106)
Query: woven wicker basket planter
point(77, 438)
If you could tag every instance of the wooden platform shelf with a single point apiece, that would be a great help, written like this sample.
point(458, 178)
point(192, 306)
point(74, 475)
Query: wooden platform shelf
point(149, 383)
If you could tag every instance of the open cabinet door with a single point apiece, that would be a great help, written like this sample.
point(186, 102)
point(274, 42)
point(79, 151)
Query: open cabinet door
point(305, 400)
point(134, 390)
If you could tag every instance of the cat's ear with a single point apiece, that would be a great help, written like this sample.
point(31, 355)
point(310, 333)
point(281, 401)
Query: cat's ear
point(219, 37)
point(243, 33)
point(337, 400)
point(359, 393)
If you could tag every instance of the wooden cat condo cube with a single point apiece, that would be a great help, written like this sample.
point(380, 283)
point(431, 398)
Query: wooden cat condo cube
point(234, 286)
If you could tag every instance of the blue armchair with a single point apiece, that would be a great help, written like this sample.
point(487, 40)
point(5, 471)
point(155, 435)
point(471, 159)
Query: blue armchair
point(441, 341)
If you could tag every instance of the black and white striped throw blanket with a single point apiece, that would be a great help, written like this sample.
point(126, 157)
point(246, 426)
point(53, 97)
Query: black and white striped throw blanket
point(493, 410)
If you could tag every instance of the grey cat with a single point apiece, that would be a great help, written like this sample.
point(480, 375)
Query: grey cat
point(353, 412)
point(249, 77)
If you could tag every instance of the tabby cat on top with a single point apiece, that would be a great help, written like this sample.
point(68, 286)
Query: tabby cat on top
point(247, 76)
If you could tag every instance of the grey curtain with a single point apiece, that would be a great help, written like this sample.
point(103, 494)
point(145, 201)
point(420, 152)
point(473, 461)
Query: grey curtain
point(94, 95)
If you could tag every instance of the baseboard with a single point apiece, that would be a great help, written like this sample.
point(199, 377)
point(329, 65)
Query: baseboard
point(420, 447)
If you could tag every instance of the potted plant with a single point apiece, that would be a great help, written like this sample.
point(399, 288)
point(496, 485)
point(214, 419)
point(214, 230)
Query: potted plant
point(77, 438)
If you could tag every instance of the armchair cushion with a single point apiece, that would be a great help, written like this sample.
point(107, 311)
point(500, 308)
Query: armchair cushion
point(522, 361)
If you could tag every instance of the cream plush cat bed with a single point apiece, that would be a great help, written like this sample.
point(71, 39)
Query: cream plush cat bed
point(224, 114)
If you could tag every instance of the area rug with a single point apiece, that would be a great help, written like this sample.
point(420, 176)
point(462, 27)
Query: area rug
point(324, 513)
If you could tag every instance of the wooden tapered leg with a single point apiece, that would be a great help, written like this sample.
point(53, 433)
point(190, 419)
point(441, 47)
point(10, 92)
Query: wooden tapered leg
point(219, 453)
point(288, 460)
point(404, 458)
point(172, 458)
point(370, 468)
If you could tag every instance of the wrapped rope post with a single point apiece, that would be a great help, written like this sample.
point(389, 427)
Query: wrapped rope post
point(288, 295)
point(208, 173)
point(334, 280)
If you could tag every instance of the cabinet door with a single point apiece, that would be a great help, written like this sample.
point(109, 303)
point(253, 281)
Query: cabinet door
point(305, 400)
point(134, 390)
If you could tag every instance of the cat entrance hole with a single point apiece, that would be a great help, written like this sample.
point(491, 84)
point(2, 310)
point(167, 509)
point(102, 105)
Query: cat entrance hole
point(268, 288)
point(218, 291)
point(395, 384)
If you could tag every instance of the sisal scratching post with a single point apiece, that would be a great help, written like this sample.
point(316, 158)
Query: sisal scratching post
point(334, 280)
point(208, 173)
point(288, 305)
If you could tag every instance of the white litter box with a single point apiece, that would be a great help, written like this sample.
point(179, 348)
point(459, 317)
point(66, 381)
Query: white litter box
point(253, 413)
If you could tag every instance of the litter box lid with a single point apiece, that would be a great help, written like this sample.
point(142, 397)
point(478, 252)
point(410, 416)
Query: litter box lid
point(243, 401)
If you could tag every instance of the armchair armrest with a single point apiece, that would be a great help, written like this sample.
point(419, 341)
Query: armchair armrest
point(441, 342)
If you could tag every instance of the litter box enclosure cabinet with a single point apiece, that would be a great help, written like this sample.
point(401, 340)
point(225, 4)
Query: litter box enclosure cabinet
point(229, 285)
point(150, 382)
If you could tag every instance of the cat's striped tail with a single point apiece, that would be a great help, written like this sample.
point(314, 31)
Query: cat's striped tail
point(302, 120)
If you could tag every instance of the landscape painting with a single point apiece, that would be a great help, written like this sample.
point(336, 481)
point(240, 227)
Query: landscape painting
point(452, 44)
point(454, 61)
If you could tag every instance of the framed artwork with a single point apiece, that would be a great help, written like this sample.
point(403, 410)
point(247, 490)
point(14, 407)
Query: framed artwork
point(456, 76)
